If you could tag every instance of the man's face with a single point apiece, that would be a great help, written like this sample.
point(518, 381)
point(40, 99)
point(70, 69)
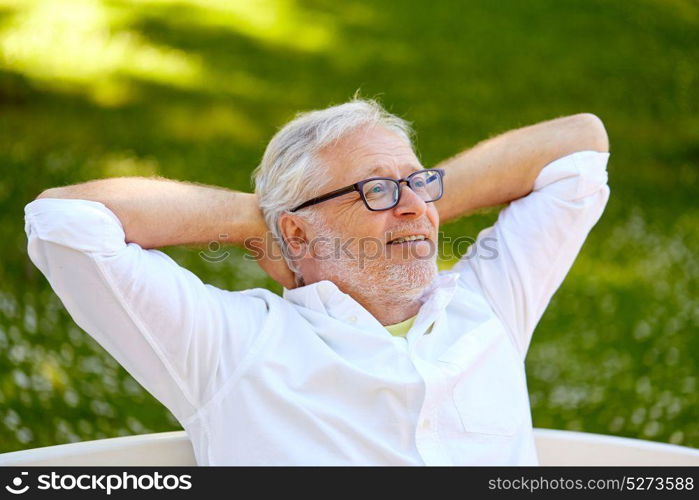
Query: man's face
point(360, 254)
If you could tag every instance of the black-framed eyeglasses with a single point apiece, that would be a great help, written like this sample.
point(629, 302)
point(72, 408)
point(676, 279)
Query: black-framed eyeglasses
point(383, 193)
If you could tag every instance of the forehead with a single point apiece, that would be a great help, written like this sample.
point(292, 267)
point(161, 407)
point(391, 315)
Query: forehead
point(369, 152)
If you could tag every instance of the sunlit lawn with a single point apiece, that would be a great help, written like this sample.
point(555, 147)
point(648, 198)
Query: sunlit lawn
point(193, 90)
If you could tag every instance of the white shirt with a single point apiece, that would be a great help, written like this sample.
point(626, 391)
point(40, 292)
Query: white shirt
point(312, 377)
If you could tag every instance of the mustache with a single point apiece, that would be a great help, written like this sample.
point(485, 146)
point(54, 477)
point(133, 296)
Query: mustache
point(413, 228)
point(418, 228)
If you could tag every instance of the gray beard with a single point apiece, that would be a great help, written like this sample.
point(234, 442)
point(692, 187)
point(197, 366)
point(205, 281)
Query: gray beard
point(377, 280)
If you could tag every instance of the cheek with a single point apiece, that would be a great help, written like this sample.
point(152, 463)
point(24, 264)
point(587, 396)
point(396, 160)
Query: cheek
point(362, 223)
point(367, 231)
point(433, 215)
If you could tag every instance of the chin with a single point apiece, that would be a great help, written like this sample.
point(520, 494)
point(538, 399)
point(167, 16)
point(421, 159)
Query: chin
point(412, 275)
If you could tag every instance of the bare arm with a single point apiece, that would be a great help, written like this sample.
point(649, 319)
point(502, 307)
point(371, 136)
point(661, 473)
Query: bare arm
point(158, 212)
point(504, 168)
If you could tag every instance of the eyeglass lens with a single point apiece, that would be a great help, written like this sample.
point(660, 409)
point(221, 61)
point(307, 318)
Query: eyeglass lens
point(382, 194)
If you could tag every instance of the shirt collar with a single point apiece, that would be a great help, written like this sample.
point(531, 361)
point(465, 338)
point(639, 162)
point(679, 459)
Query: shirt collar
point(326, 298)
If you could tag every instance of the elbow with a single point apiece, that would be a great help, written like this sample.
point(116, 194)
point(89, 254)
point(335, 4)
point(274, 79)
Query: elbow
point(52, 193)
point(593, 132)
point(46, 193)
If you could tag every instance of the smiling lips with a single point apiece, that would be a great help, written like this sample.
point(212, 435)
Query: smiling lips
point(404, 239)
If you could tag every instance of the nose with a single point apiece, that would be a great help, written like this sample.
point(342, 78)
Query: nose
point(410, 204)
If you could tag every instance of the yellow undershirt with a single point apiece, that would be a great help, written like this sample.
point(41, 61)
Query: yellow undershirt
point(400, 329)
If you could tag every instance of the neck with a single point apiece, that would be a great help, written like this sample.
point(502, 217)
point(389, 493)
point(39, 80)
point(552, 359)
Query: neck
point(388, 309)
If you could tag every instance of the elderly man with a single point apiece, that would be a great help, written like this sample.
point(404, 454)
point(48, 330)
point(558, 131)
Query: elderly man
point(371, 356)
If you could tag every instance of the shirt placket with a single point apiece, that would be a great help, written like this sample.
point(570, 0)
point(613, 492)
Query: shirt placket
point(427, 437)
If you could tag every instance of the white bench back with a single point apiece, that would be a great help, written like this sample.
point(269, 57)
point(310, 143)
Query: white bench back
point(173, 448)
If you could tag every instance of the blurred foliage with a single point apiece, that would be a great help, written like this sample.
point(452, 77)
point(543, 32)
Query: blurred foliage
point(193, 89)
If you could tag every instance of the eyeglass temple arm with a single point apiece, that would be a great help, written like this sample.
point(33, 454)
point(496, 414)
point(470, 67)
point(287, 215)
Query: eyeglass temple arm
point(327, 196)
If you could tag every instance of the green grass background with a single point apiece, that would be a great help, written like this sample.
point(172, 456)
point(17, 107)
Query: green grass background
point(193, 90)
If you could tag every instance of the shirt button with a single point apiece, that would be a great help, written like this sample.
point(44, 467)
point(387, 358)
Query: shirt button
point(352, 319)
point(426, 424)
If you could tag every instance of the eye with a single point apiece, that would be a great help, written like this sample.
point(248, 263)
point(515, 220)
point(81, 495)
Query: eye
point(419, 182)
point(376, 189)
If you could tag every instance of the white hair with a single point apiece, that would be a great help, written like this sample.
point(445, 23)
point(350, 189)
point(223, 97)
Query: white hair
point(291, 171)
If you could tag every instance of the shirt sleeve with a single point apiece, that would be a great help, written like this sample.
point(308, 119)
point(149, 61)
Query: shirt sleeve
point(520, 261)
point(178, 337)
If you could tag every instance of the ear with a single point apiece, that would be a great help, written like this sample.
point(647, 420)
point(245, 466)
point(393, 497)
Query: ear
point(294, 230)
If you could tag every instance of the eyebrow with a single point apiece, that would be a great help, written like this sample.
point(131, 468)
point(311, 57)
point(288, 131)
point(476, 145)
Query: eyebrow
point(376, 171)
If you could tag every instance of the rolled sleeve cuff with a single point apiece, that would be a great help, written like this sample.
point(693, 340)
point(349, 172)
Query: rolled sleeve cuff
point(575, 176)
point(86, 226)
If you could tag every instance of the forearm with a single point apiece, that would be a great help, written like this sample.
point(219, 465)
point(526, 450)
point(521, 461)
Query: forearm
point(504, 168)
point(157, 212)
